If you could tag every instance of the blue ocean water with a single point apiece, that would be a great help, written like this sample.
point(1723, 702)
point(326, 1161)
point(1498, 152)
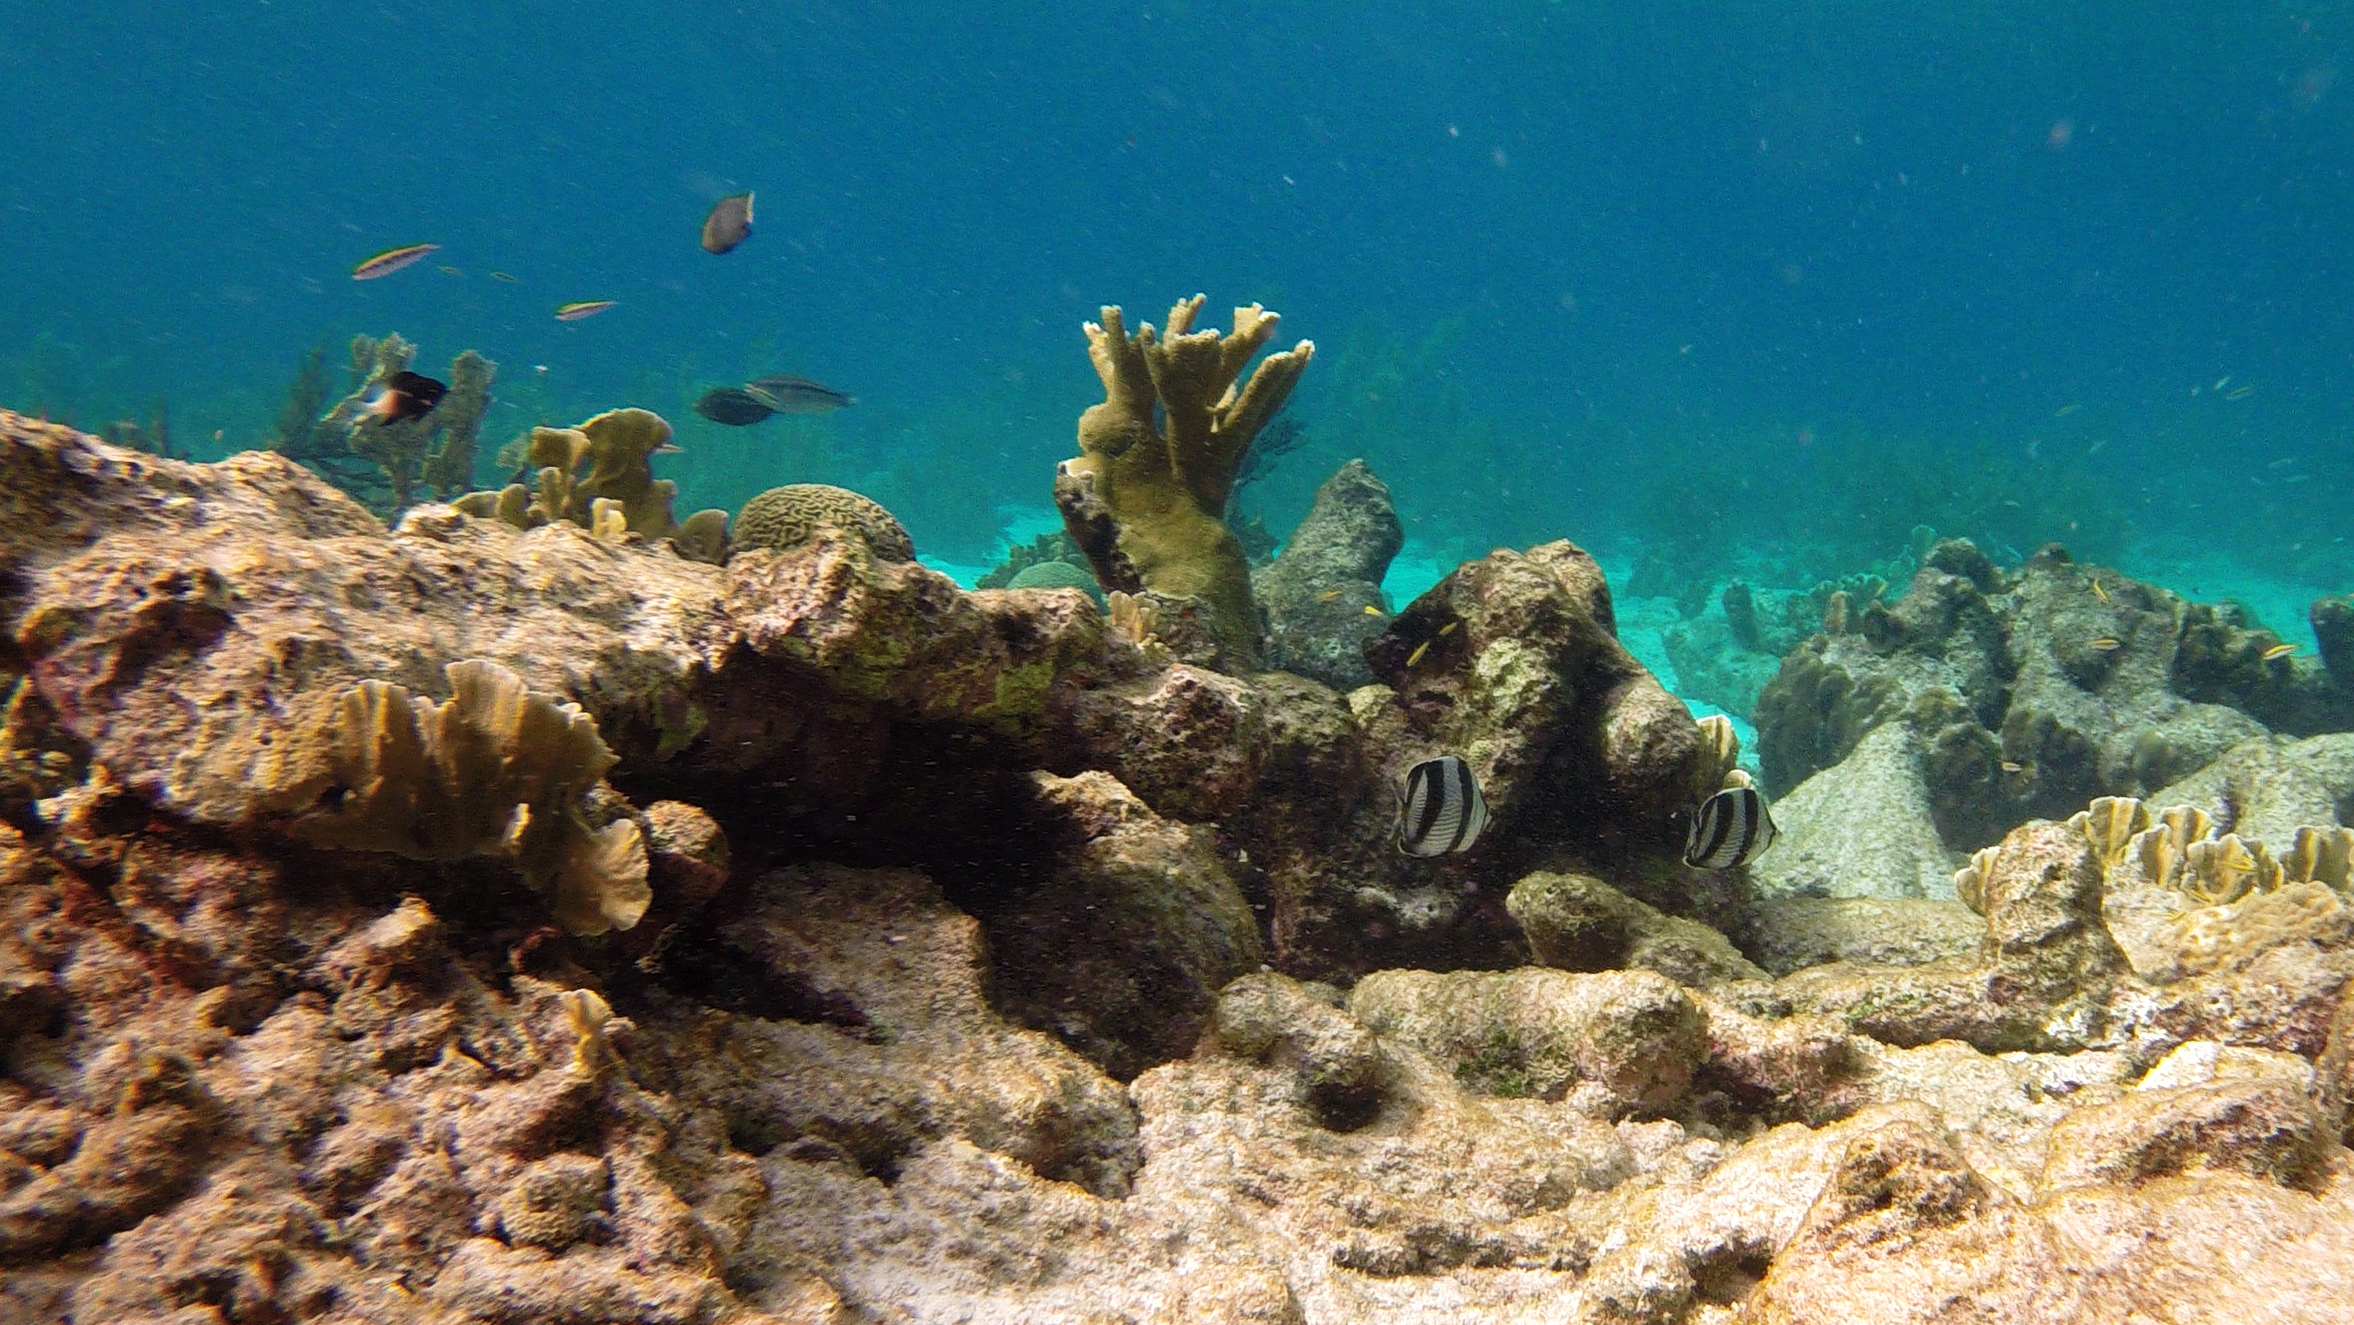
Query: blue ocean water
point(1718, 288)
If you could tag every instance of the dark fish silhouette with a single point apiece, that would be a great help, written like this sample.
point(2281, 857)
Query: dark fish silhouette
point(733, 406)
point(786, 394)
point(728, 224)
point(406, 396)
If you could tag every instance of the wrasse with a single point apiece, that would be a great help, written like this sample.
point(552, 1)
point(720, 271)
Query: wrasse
point(2097, 590)
point(392, 260)
point(2278, 651)
point(574, 312)
point(2105, 644)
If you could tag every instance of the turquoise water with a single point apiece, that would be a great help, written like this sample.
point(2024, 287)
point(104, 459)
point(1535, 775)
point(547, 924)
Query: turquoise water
point(1714, 289)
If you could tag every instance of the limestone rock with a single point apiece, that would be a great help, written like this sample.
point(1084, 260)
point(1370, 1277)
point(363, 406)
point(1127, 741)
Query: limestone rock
point(1316, 591)
point(1861, 828)
point(1576, 922)
point(1784, 934)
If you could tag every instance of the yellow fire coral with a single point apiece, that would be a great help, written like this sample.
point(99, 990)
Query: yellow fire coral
point(1144, 498)
point(495, 770)
point(600, 476)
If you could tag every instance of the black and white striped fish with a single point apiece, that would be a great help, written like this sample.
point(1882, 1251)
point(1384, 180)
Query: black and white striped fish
point(1441, 809)
point(1732, 828)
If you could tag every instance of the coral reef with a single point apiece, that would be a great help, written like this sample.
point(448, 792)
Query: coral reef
point(964, 863)
point(1146, 495)
point(1059, 575)
point(1044, 548)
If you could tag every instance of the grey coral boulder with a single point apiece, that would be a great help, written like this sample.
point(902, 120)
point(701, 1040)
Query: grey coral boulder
point(1315, 593)
point(1861, 828)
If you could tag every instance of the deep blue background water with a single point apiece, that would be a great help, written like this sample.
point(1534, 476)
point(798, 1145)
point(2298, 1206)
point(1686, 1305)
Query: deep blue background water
point(1562, 261)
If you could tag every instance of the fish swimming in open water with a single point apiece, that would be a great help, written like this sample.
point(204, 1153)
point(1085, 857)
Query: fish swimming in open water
point(574, 312)
point(1732, 828)
point(1440, 811)
point(392, 260)
point(731, 405)
point(728, 223)
point(406, 396)
point(786, 394)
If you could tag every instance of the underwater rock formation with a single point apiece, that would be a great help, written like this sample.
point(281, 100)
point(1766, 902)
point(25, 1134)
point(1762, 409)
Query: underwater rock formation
point(2036, 691)
point(251, 1079)
point(1317, 591)
point(1146, 495)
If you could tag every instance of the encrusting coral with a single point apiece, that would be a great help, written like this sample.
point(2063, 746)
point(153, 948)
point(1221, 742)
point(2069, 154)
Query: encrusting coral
point(600, 476)
point(494, 770)
point(404, 448)
point(1158, 459)
point(785, 517)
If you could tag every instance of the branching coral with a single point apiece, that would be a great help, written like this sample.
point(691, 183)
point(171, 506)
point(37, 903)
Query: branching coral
point(600, 476)
point(495, 770)
point(1159, 457)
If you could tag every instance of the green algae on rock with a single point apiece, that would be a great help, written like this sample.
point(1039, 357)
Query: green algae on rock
point(494, 770)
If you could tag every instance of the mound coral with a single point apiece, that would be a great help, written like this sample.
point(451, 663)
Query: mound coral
point(494, 770)
point(785, 517)
point(600, 476)
point(1158, 459)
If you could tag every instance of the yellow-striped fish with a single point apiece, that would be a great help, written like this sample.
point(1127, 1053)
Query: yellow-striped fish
point(1329, 594)
point(2278, 651)
point(2105, 643)
point(2013, 766)
point(2097, 590)
point(1446, 630)
point(1419, 650)
point(502, 276)
point(574, 312)
point(1373, 611)
point(2065, 410)
point(392, 260)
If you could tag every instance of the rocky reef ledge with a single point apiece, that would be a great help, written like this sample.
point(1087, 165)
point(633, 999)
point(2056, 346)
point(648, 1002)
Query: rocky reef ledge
point(466, 923)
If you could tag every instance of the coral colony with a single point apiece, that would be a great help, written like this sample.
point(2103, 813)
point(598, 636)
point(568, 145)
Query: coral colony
point(541, 908)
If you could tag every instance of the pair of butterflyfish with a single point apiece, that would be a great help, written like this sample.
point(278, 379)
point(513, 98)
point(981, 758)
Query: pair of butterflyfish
point(1441, 811)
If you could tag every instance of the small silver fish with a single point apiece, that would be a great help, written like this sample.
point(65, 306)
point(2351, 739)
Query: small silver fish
point(786, 394)
point(1440, 811)
point(1731, 829)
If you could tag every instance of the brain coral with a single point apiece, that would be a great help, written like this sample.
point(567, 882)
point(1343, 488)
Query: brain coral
point(1057, 575)
point(785, 517)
